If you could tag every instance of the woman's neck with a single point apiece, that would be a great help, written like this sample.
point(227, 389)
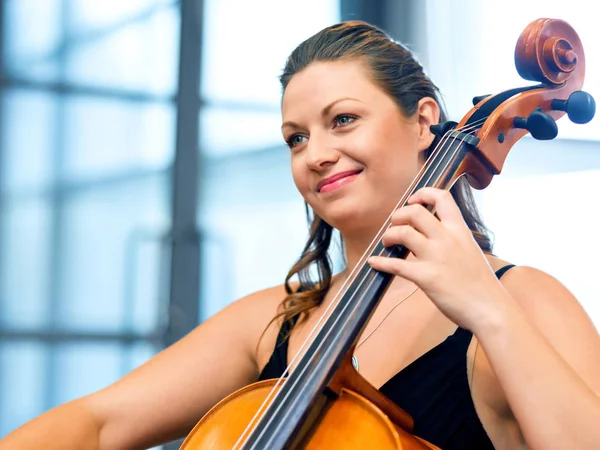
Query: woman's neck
point(355, 246)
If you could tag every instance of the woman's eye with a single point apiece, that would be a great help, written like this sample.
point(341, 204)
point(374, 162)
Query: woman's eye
point(295, 139)
point(344, 119)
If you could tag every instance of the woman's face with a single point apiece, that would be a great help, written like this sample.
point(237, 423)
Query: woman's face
point(353, 152)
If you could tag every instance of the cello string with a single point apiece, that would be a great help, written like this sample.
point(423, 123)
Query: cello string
point(336, 300)
point(375, 241)
point(441, 143)
point(324, 316)
point(437, 152)
point(333, 329)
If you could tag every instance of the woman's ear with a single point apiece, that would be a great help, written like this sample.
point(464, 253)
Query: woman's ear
point(428, 113)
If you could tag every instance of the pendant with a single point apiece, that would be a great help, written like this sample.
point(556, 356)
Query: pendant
point(355, 362)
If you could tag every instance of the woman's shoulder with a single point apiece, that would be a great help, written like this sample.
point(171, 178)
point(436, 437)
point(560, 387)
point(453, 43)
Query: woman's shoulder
point(558, 315)
point(548, 305)
point(258, 313)
point(264, 302)
point(255, 310)
point(533, 288)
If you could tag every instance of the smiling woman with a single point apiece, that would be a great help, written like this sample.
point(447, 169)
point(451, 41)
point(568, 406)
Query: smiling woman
point(481, 354)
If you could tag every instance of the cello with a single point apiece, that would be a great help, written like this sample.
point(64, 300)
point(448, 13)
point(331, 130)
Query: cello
point(324, 402)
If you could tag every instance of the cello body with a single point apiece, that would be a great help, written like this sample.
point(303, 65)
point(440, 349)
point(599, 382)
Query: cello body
point(350, 421)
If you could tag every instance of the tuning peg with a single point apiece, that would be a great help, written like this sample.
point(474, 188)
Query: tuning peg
point(440, 129)
point(541, 125)
point(479, 98)
point(580, 106)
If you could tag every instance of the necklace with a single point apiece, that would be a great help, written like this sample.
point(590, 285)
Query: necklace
point(354, 358)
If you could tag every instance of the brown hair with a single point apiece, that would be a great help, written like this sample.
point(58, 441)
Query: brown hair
point(394, 69)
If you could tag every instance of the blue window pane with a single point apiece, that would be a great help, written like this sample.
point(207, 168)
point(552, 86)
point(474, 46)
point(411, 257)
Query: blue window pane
point(28, 139)
point(259, 46)
point(83, 368)
point(271, 234)
point(252, 243)
point(32, 30)
point(224, 131)
point(138, 354)
point(146, 289)
point(22, 383)
point(25, 263)
point(141, 55)
point(96, 259)
point(218, 287)
point(86, 15)
point(104, 137)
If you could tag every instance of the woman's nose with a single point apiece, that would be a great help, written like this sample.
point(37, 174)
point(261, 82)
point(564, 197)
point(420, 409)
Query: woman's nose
point(320, 155)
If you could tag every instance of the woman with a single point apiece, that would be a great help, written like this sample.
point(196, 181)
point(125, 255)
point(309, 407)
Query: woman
point(478, 360)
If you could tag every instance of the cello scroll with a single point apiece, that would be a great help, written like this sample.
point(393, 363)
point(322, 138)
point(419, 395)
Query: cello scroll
point(549, 52)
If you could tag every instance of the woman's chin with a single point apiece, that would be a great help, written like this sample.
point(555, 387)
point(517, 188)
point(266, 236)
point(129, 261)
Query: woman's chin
point(351, 221)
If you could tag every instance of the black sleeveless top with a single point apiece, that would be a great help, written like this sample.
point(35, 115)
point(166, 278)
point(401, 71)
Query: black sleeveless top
point(433, 389)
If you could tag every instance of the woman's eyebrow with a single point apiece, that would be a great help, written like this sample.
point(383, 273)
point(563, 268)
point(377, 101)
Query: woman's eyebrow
point(327, 109)
point(324, 112)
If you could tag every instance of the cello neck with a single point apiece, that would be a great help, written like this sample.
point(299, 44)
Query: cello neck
point(299, 397)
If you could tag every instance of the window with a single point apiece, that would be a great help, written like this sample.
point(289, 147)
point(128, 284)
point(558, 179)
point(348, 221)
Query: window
point(87, 140)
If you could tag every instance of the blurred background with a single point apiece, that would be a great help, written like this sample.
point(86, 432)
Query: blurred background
point(144, 183)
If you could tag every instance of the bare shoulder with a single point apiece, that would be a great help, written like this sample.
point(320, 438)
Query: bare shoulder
point(255, 311)
point(539, 294)
point(557, 314)
point(254, 315)
point(560, 318)
point(250, 322)
point(545, 300)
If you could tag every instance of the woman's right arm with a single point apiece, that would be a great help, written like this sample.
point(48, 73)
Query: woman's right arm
point(164, 398)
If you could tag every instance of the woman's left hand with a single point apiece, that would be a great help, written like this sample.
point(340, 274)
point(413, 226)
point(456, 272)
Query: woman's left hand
point(448, 265)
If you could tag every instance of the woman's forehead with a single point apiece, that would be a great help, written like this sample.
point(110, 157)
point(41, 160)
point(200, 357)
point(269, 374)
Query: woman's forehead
point(321, 83)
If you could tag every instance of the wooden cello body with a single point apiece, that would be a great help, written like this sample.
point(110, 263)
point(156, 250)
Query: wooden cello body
point(350, 421)
point(323, 403)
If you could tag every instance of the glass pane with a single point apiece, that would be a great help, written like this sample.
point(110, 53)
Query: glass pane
point(137, 354)
point(530, 218)
point(32, 33)
point(271, 234)
point(96, 259)
point(104, 137)
point(28, 139)
point(25, 263)
point(259, 46)
point(147, 265)
point(22, 383)
point(141, 55)
point(83, 368)
point(86, 15)
point(251, 243)
point(225, 131)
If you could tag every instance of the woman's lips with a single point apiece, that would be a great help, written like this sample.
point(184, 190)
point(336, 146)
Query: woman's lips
point(337, 181)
